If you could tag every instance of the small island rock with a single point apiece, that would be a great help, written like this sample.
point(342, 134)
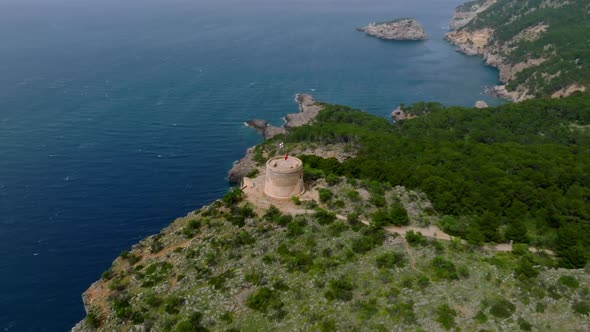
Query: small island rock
point(481, 104)
point(400, 29)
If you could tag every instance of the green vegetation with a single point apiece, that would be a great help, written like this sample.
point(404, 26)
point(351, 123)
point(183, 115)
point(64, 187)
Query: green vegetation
point(340, 289)
point(446, 316)
point(514, 172)
point(516, 167)
point(565, 45)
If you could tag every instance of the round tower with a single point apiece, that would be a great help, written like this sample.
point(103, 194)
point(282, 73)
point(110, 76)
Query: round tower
point(284, 177)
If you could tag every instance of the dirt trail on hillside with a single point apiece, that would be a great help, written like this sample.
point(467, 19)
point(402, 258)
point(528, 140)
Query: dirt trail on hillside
point(254, 191)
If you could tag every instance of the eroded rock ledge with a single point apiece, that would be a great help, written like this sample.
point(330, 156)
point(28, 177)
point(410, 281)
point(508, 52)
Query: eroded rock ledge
point(400, 29)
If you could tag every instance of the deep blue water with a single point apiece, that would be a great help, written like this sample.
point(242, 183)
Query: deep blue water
point(118, 116)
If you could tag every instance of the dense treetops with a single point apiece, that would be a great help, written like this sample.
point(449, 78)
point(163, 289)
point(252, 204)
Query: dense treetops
point(565, 45)
point(515, 172)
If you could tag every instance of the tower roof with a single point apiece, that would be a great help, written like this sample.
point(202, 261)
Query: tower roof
point(282, 165)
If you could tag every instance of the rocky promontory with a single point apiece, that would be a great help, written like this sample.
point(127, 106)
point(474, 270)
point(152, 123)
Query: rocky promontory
point(308, 110)
point(400, 29)
point(531, 57)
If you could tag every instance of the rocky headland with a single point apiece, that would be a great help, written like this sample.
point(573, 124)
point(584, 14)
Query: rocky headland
point(400, 29)
point(524, 71)
point(308, 110)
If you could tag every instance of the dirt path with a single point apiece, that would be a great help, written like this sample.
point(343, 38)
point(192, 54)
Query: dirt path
point(254, 190)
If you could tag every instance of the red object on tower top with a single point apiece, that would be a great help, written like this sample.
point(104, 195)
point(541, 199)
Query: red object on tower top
point(286, 156)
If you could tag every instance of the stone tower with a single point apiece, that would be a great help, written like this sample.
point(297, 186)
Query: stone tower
point(284, 177)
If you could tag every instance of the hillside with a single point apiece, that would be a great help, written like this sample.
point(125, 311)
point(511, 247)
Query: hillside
point(542, 48)
point(412, 234)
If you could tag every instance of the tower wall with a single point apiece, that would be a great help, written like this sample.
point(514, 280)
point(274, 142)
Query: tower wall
point(284, 178)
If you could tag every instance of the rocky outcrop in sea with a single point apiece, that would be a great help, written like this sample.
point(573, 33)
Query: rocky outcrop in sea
point(400, 29)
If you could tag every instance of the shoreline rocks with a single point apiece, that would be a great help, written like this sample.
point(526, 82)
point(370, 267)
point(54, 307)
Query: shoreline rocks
point(400, 29)
point(399, 115)
point(481, 104)
point(308, 110)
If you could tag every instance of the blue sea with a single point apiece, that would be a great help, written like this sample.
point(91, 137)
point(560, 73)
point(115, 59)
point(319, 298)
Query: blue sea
point(118, 116)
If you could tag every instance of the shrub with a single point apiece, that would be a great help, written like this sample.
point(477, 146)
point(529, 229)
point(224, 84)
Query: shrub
point(444, 269)
point(296, 200)
point(415, 238)
point(108, 274)
point(480, 317)
point(254, 277)
point(399, 215)
point(324, 217)
point(153, 300)
point(264, 300)
point(129, 257)
point(272, 214)
point(332, 179)
point(337, 228)
point(218, 281)
point(299, 261)
point(390, 260)
point(452, 225)
point(253, 173)
point(294, 229)
point(378, 200)
point(520, 249)
point(569, 281)
point(403, 311)
point(93, 319)
point(363, 244)
point(525, 269)
point(172, 304)
point(155, 274)
point(502, 308)
point(232, 198)
point(445, 315)
point(156, 245)
point(325, 195)
point(339, 289)
point(524, 325)
point(191, 324)
point(353, 195)
point(285, 219)
point(582, 307)
point(121, 306)
point(242, 238)
point(192, 228)
point(354, 221)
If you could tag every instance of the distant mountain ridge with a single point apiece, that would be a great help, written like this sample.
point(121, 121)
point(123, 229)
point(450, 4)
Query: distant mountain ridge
point(542, 48)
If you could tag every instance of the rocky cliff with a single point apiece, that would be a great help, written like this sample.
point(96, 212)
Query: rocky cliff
point(524, 41)
point(400, 29)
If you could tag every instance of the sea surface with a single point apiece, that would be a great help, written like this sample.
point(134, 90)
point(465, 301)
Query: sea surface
point(118, 116)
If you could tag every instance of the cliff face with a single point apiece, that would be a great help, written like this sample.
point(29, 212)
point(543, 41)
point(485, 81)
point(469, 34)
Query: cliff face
point(401, 29)
point(520, 40)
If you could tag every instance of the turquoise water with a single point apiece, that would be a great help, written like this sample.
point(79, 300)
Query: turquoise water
point(117, 116)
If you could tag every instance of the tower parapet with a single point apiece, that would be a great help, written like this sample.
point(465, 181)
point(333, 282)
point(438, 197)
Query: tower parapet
point(284, 177)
